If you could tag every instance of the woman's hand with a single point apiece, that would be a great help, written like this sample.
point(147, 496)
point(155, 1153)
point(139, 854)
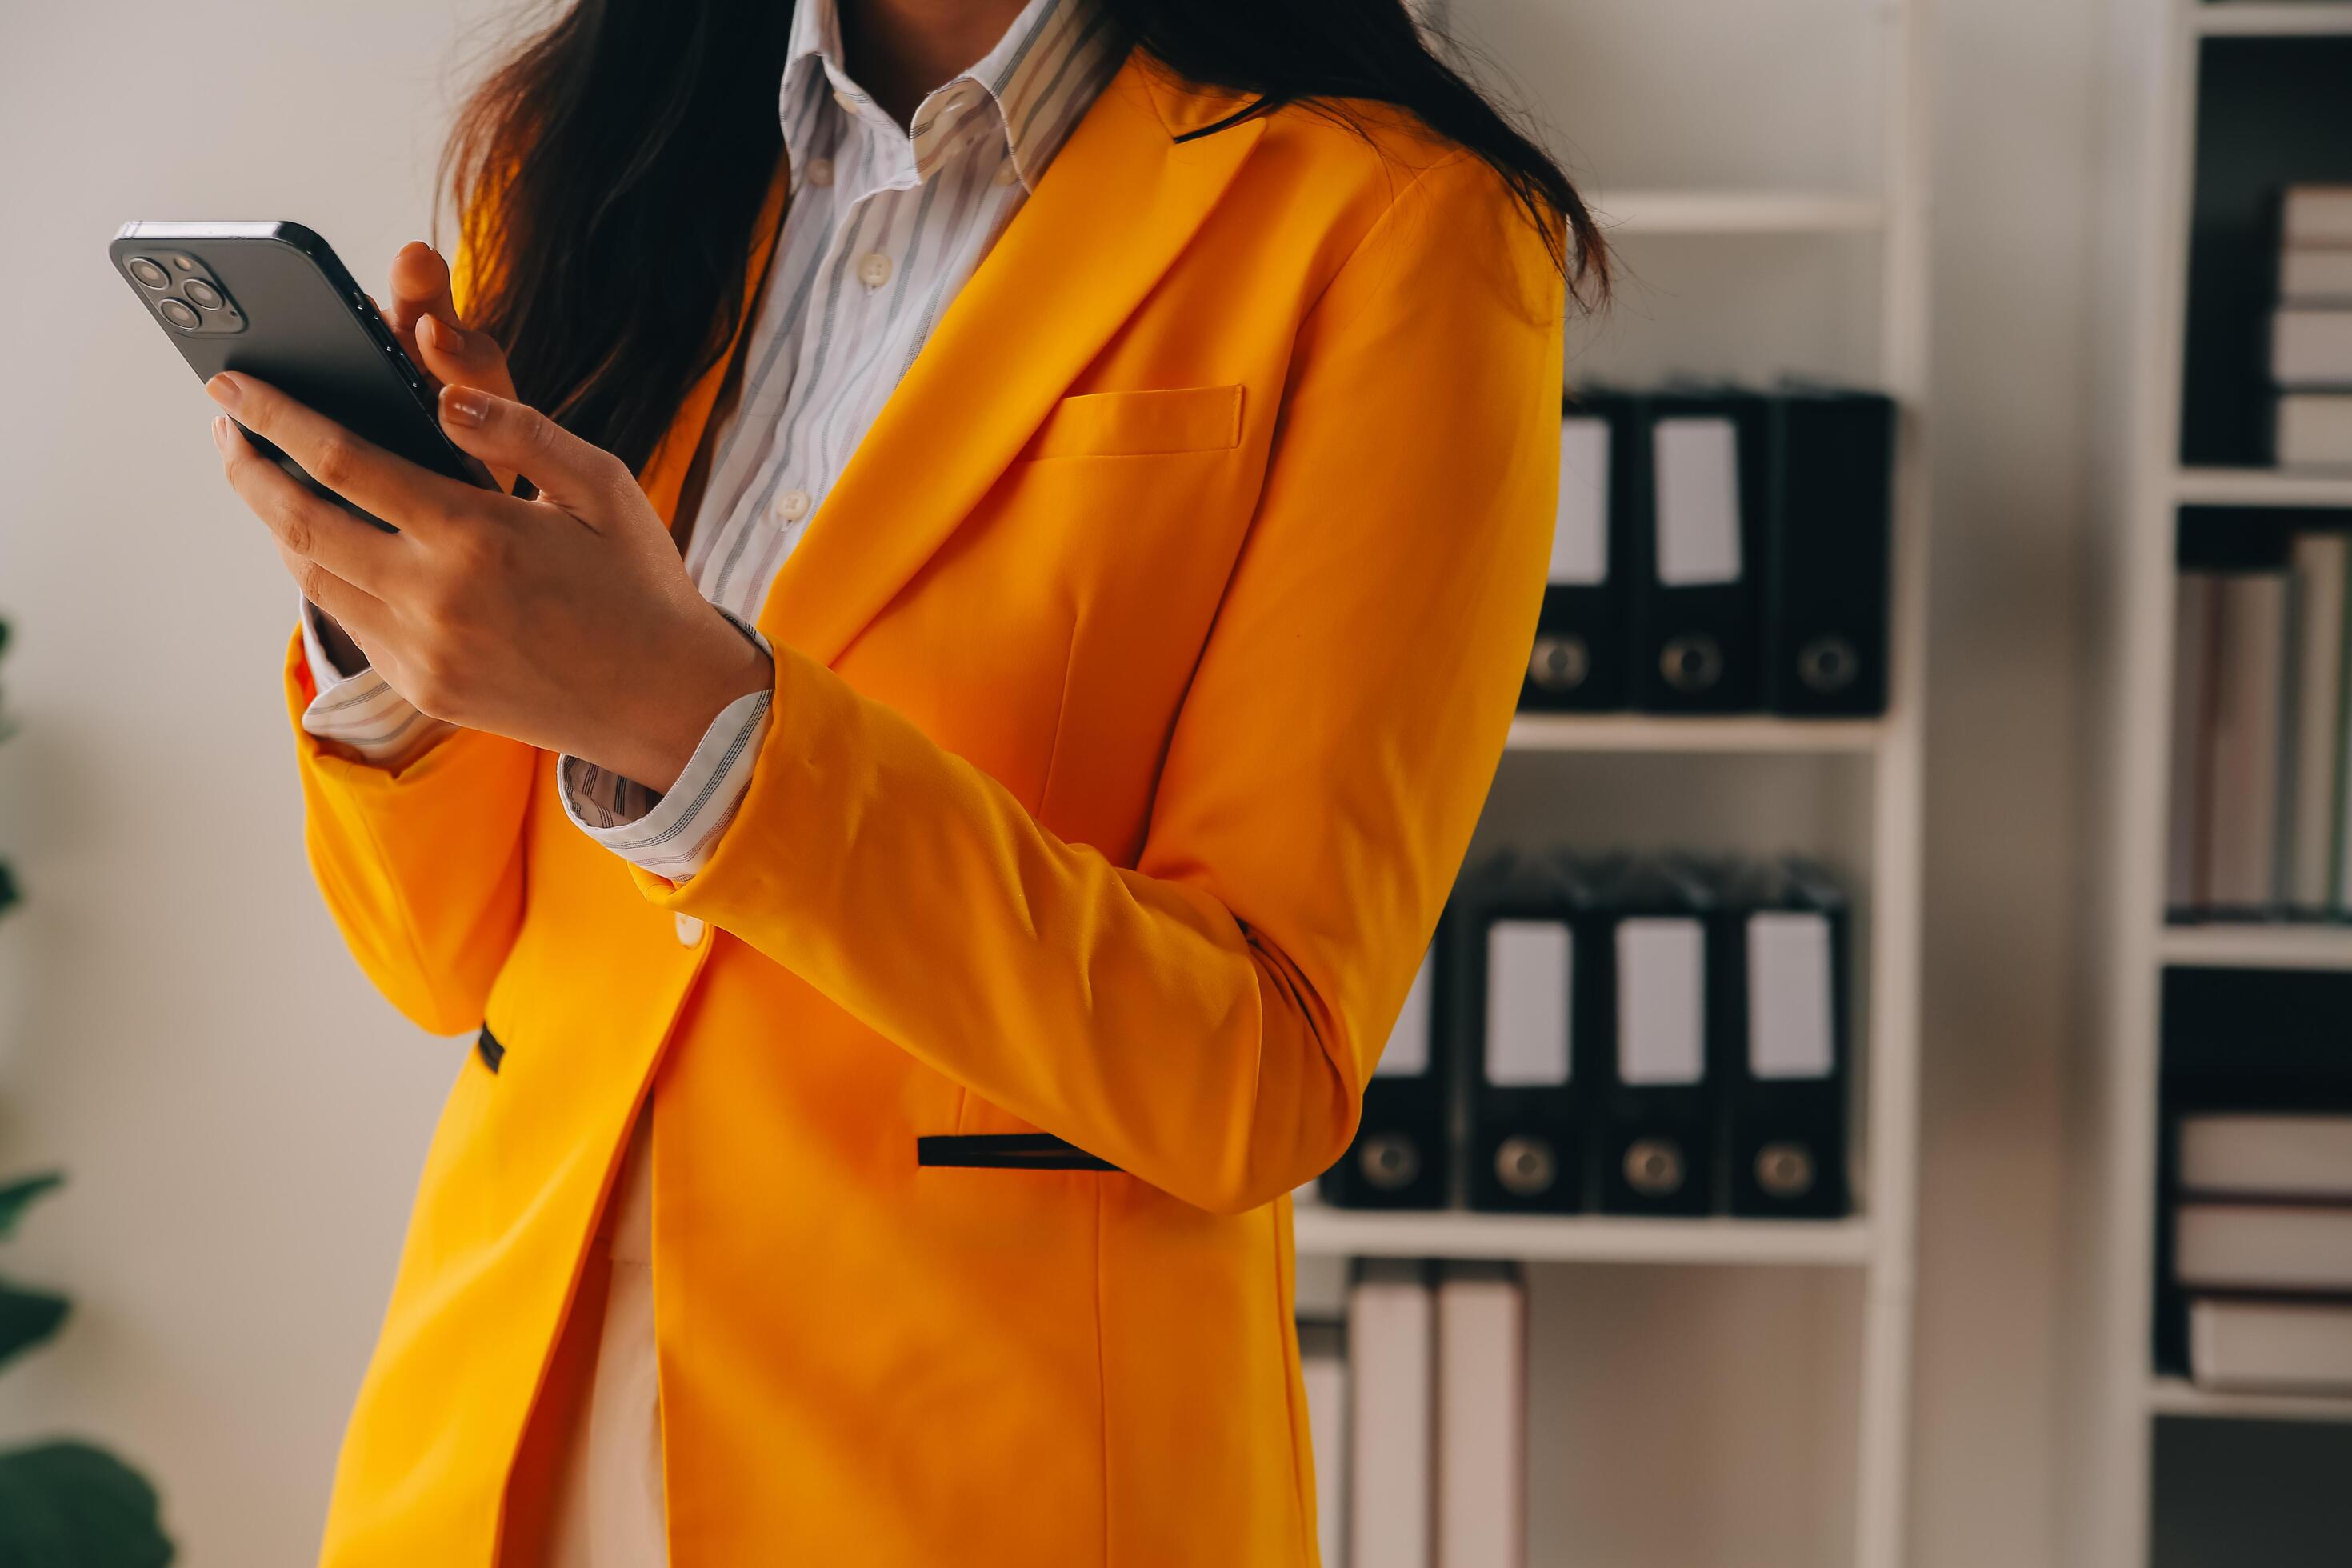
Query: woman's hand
point(567, 621)
point(423, 317)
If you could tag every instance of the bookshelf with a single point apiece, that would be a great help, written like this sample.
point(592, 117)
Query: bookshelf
point(2260, 487)
point(1770, 222)
point(1650, 733)
point(2188, 77)
point(2253, 946)
point(2250, 18)
point(2179, 1397)
point(1578, 1238)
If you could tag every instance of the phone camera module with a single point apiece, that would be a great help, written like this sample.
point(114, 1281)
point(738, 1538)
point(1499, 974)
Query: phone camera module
point(179, 314)
point(203, 293)
point(147, 274)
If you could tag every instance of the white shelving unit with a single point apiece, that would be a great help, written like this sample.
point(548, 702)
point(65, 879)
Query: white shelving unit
point(1595, 1238)
point(1634, 733)
point(2179, 1397)
point(2248, 19)
point(1843, 1290)
point(2115, 1399)
point(2257, 946)
point(2260, 487)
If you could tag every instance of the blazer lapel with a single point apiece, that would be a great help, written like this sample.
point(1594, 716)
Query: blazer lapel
point(665, 472)
point(1113, 211)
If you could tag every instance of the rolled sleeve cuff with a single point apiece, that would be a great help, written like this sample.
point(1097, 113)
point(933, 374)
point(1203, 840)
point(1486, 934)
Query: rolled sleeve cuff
point(359, 710)
point(674, 833)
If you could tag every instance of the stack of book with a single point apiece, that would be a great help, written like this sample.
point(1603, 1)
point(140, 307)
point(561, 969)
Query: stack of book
point(2263, 1246)
point(1416, 1405)
point(2259, 769)
point(2311, 332)
point(1661, 1036)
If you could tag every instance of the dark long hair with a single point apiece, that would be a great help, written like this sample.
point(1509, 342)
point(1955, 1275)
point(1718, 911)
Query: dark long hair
point(609, 172)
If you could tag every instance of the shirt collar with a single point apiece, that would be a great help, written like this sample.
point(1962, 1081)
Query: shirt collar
point(1049, 65)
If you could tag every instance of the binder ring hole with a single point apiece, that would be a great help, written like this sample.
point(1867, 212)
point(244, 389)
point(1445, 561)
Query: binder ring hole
point(1560, 663)
point(1654, 1167)
point(1526, 1166)
point(1828, 664)
point(1691, 662)
point(1389, 1162)
point(1784, 1170)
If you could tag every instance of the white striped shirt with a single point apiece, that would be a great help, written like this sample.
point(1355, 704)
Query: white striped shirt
point(885, 227)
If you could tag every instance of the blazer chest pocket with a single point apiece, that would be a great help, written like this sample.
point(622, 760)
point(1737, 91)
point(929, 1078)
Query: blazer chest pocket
point(1140, 424)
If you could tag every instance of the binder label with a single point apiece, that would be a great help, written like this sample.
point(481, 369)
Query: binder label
point(1579, 534)
point(1528, 972)
point(1407, 1055)
point(1661, 1001)
point(1698, 463)
point(1790, 1004)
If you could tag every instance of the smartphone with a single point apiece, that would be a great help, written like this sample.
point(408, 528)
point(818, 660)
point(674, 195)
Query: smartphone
point(271, 300)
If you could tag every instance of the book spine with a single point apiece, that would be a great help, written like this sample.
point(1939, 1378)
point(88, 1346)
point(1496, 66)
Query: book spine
point(2318, 565)
point(2242, 820)
point(2196, 609)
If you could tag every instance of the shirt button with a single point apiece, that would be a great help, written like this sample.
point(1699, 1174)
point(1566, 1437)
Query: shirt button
point(791, 506)
point(1007, 172)
point(689, 930)
point(873, 269)
point(820, 172)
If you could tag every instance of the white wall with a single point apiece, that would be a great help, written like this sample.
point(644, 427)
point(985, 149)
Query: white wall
point(179, 1027)
point(243, 1119)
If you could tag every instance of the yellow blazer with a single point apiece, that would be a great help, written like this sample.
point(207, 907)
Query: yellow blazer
point(1135, 693)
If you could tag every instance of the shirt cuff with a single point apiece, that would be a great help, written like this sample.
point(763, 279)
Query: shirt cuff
point(359, 710)
point(674, 833)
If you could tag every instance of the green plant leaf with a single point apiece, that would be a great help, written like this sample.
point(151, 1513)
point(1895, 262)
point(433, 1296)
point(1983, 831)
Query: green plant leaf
point(27, 1318)
point(69, 1505)
point(19, 1195)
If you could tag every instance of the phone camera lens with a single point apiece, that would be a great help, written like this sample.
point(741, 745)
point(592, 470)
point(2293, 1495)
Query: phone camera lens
point(204, 293)
point(179, 315)
point(148, 274)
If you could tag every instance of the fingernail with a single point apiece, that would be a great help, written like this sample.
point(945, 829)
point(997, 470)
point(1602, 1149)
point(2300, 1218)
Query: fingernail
point(441, 334)
point(464, 406)
point(225, 390)
point(220, 431)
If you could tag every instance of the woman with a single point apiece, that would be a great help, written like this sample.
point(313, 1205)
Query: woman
point(932, 808)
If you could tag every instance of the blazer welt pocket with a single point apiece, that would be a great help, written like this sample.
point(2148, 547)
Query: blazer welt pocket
point(1140, 424)
point(1007, 1151)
